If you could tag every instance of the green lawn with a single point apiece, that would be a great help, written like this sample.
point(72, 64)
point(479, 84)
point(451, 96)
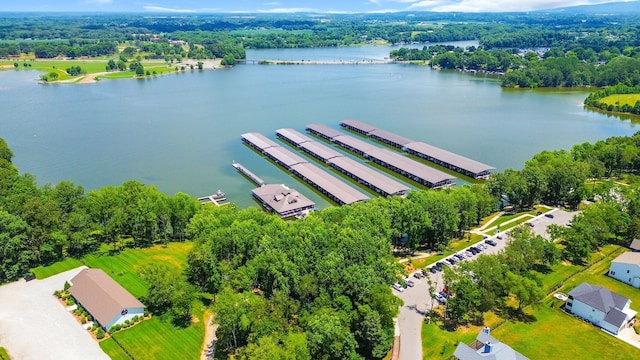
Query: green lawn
point(621, 99)
point(125, 266)
point(3, 354)
point(157, 339)
point(43, 272)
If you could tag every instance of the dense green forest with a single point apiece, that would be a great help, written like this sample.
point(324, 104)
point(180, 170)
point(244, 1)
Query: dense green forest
point(319, 287)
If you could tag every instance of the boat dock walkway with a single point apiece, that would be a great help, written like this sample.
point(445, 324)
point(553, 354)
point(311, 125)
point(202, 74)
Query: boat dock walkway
point(218, 199)
point(248, 173)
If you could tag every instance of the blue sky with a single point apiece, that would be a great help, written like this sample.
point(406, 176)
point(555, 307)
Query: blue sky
point(288, 6)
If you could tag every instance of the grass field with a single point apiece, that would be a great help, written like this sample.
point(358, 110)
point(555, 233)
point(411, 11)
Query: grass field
point(621, 99)
point(125, 266)
point(3, 354)
point(43, 272)
point(157, 339)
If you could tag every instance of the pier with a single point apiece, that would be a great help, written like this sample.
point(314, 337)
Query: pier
point(253, 177)
point(218, 199)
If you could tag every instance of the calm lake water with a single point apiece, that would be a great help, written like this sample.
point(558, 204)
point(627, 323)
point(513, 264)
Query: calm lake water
point(181, 132)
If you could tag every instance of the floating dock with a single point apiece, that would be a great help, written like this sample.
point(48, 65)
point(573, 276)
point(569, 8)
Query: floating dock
point(335, 189)
point(438, 156)
point(248, 173)
point(361, 173)
point(218, 199)
point(402, 165)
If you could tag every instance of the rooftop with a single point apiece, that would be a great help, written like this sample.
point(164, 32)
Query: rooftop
point(258, 140)
point(282, 199)
point(628, 257)
point(293, 136)
point(477, 350)
point(322, 151)
point(337, 188)
point(102, 296)
point(364, 127)
point(355, 143)
point(598, 297)
point(285, 156)
point(324, 130)
point(391, 137)
point(410, 166)
point(449, 157)
point(378, 180)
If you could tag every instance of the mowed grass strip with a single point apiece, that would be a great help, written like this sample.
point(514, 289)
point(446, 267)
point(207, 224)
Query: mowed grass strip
point(621, 99)
point(158, 339)
point(125, 267)
point(43, 272)
point(113, 350)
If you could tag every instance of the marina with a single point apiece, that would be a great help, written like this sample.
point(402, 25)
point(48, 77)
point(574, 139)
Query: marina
point(361, 173)
point(218, 199)
point(327, 184)
point(402, 165)
point(438, 156)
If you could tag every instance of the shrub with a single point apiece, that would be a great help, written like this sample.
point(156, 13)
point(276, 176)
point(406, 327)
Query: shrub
point(83, 320)
point(70, 301)
point(135, 319)
point(146, 313)
point(100, 334)
point(57, 294)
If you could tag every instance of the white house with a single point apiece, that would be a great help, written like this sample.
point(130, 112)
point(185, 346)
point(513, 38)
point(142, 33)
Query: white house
point(600, 307)
point(626, 268)
point(486, 347)
point(108, 302)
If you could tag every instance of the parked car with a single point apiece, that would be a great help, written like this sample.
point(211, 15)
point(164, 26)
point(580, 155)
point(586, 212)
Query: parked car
point(491, 242)
point(477, 249)
point(409, 282)
point(459, 256)
point(29, 276)
point(439, 265)
point(449, 261)
point(441, 299)
point(531, 224)
point(418, 275)
point(482, 247)
point(468, 253)
point(398, 287)
point(550, 216)
point(433, 269)
point(539, 213)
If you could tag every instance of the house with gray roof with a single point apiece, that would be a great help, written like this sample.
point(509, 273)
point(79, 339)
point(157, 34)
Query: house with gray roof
point(600, 307)
point(282, 200)
point(626, 268)
point(486, 347)
point(108, 302)
point(635, 245)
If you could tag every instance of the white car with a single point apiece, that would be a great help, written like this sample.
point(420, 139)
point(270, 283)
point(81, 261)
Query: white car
point(398, 287)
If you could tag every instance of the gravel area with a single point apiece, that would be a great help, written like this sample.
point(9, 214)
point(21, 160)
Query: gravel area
point(34, 325)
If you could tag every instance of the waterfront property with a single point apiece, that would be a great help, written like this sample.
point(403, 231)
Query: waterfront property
point(626, 268)
point(363, 174)
point(327, 184)
point(601, 307)
point(486, 346)
point(282, 200)
point(108, 302)
point(447, 159)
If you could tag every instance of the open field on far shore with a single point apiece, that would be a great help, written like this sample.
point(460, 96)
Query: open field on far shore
point(621, 99)
point(43, 272)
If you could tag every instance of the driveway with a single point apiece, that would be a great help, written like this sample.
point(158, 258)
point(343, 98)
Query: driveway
point(33, 324)
point(417, 300)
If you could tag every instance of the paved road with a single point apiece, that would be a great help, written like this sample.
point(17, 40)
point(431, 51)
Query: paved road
point(34, 325)
point(417, 300)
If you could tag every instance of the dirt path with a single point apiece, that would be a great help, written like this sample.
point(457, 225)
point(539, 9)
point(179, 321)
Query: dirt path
point(209, 334)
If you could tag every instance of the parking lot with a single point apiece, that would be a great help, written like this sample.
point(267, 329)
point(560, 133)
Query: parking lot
point(417, 299)
point(34, 325)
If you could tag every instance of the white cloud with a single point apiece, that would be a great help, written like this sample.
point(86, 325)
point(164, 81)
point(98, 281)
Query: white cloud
point(288, 10)
point(166, 9)
point(497, 5)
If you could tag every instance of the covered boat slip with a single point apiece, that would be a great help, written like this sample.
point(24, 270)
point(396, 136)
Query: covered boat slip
point(332, 187)
point(447, 159)
point(362, 173)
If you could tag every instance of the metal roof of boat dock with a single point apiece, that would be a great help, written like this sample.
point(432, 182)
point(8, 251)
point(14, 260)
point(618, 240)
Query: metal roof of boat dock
point(321, 151)
point(357, 125)
point(410, 166)
point(445, 156)
point(258, 140)
point(354, 143)
point(389, 137)
point(284, 156)
point(337, 189)
point(293, 136)
point(324, 130)
point(380, 182)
